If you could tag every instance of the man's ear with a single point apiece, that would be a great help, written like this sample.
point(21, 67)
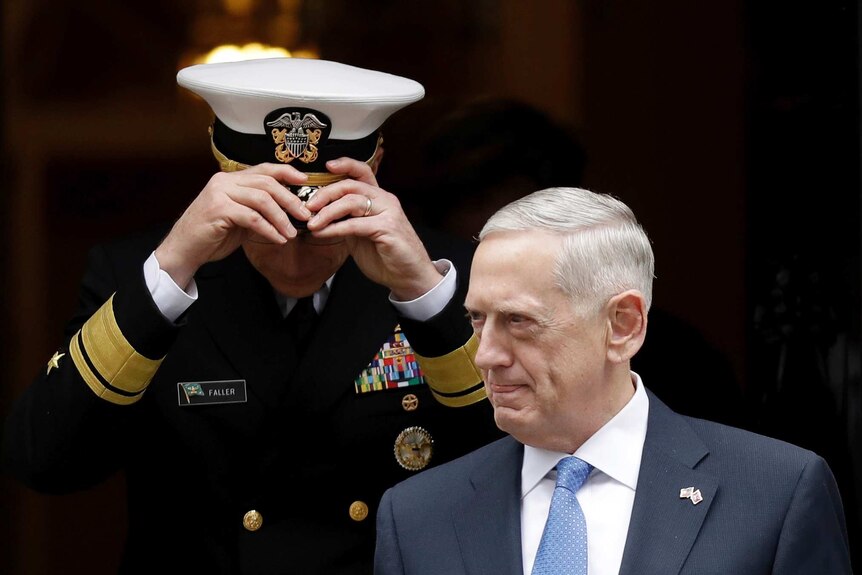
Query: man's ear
point(627, 317)
point(377, 158)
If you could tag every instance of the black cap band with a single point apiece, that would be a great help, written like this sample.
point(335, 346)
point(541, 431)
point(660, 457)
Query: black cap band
point(252, 149)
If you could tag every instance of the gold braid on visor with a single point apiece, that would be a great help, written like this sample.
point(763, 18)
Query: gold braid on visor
point(314, 178)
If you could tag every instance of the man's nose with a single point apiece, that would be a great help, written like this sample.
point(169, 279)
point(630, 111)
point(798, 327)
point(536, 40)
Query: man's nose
point(493, 350)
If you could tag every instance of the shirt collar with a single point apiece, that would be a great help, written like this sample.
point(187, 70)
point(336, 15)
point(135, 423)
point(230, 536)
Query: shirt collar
point(320, 296)
point(615, 449)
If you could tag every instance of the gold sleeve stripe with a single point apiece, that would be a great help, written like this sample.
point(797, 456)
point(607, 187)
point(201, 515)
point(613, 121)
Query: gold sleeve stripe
point(92, 380)
point(107, 362)
point(454, 373)
point(113, 357)
point(460, 400)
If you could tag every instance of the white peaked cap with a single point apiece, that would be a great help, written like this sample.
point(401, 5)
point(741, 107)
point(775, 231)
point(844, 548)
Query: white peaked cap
point(356, 100)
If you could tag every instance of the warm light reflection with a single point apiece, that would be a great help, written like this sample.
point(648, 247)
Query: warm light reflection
point(234, 53)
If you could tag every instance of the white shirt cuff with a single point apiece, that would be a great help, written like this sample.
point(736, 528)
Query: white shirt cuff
point(170, 298)
point(430, 304)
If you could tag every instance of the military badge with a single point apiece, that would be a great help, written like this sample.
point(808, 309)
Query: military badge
point(297, 133)
point(410, 402)
point(394, 366)
point(413, 448)
point(54, 362)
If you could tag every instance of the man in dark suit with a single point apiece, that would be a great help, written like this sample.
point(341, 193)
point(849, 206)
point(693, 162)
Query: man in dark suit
point(596, 467)
point(263, 370)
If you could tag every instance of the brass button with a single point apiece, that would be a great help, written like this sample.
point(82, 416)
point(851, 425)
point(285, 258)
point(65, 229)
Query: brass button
point(358, 510)
point(410, 402)
point(252, 520)
point(413, 448)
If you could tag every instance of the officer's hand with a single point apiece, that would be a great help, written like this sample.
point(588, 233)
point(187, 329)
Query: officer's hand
point(230, 208)
point(382, 241)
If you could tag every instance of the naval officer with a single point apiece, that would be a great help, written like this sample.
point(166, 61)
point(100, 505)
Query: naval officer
point(266, 367)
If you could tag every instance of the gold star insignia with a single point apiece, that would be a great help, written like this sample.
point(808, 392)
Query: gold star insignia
point(54, 361)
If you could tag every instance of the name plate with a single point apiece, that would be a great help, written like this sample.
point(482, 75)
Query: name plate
point(211, 392)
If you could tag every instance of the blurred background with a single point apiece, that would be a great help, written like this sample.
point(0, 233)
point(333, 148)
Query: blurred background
point(731, 128)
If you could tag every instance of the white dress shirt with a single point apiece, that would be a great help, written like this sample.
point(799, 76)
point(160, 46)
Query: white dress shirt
point(173, 301)
point(607, 496)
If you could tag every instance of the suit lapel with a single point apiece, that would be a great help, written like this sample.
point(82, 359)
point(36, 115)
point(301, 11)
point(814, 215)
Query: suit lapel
point(237, 301)
point(488, 524)
point(355, 323)
point(664, 526)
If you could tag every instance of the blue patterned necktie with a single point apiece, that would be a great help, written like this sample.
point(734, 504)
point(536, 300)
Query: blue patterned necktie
point(563, 549)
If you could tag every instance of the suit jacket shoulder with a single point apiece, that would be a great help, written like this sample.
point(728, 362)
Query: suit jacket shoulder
point(460, 517)
point(762, 505)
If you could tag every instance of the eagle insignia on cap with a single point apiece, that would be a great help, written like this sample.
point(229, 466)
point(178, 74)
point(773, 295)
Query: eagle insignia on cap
point(297, 138)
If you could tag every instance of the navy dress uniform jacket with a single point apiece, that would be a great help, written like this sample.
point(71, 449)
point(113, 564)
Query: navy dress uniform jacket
point(768, 508)
point(305, 450)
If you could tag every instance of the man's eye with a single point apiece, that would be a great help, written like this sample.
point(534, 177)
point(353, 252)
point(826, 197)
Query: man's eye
point(477, 320)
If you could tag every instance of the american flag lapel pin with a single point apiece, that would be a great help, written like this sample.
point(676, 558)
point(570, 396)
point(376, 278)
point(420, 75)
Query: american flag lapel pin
point(692, 494)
